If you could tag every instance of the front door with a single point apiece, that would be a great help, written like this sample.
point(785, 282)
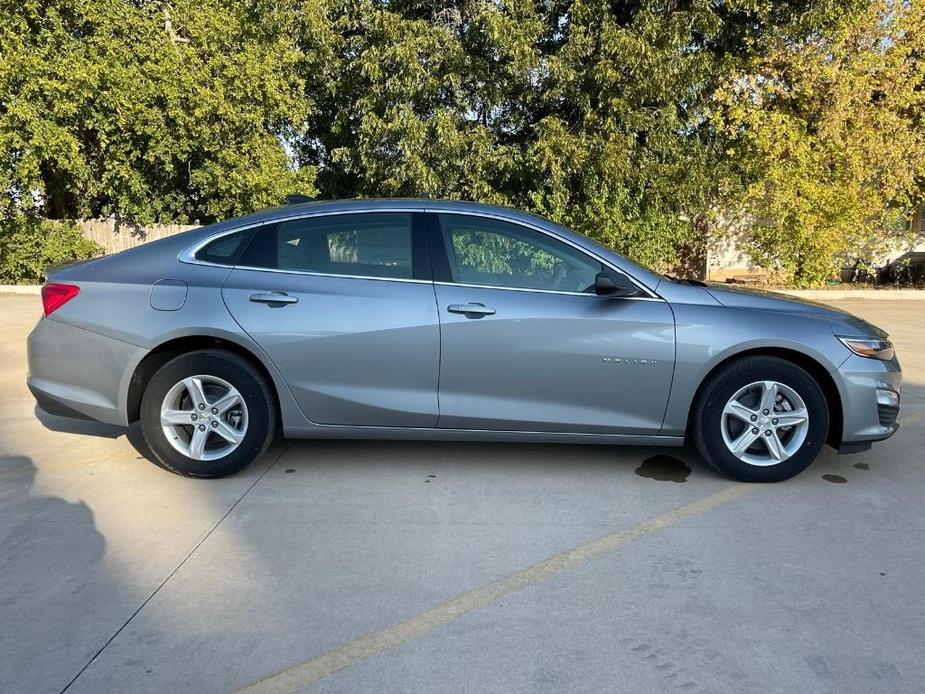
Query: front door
point(344, 307)
point(526, 344)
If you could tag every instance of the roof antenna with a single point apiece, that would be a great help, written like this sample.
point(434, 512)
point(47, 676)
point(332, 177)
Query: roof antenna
point(296, 199)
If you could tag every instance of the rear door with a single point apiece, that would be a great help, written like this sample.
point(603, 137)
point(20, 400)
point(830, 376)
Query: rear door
point(344, 306)
point(528, 346)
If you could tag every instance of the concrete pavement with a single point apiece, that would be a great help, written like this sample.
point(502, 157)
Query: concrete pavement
point(443, 567)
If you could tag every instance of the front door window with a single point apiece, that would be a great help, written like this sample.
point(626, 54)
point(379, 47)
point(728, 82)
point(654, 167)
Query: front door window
point(488, 252)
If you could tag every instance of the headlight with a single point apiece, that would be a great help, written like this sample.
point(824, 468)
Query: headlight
point(869, 347)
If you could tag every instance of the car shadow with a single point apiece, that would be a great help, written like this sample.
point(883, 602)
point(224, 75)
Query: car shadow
point(135, 437)
point(410, 450)
point(72, 425)
point(656, 462)
point(89, 427)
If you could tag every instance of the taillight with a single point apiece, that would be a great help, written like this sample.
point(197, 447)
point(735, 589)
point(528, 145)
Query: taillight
point(54, 296)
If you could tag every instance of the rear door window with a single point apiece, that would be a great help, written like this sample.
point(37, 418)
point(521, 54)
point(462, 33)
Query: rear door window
point(361, 245)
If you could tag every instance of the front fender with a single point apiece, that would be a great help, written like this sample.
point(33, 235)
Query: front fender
point(707, 336)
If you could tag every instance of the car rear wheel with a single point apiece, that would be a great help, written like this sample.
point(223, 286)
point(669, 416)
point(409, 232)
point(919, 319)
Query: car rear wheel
point(207, 414)
point(760, 419)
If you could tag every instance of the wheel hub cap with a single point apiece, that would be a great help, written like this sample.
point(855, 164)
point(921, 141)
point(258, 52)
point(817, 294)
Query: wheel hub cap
point(204, 417)
point(764, 423)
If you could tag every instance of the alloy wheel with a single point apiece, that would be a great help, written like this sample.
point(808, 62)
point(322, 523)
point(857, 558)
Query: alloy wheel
point(204, 417)
point(764, 423)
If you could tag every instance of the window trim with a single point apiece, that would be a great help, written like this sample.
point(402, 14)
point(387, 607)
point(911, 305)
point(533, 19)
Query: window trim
point(329, 274)
point(443, 275)
point(430, 226)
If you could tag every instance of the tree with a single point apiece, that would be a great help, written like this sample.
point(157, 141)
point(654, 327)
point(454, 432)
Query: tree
point(151, 111)
point(633, 122)
point(594, 114)
point(586, 114)
point(828, 130)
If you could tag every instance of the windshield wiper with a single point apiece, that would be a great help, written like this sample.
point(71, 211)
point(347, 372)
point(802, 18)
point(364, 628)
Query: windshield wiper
point(687, 282)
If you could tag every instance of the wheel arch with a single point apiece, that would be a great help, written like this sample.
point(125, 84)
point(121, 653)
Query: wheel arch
point(174, 347)
point(815, 369)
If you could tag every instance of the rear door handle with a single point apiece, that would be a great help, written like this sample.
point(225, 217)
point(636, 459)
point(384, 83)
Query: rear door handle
point(471, 309)
point(273, 298)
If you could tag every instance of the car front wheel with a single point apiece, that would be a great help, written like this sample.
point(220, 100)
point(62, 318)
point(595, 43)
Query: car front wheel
point(208, 413)
point(760, 419)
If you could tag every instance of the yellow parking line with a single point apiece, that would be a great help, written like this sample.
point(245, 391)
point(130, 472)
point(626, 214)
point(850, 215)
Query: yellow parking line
point(299, 676)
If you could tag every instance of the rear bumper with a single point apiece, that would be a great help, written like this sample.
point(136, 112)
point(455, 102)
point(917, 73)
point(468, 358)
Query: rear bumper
point(79, 373)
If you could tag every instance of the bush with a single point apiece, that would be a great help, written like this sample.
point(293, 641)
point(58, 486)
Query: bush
point(28, 245)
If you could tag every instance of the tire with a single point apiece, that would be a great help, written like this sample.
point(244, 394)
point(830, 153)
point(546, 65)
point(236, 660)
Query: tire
point(715, 434)
point(247, 426)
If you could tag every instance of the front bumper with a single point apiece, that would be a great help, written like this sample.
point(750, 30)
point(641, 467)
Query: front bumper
point(870, 401)
point(79, 373)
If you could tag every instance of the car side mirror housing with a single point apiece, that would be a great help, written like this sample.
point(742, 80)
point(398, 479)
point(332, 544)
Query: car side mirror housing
point(614, 284)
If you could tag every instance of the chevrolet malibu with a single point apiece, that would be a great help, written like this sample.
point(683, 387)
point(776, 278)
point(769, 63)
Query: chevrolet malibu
point(420, 319)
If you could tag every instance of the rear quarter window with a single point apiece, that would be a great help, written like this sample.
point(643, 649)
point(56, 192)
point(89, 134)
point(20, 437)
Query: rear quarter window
point(226, 250)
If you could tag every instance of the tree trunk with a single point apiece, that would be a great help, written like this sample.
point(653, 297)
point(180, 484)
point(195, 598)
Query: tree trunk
point(59, 201)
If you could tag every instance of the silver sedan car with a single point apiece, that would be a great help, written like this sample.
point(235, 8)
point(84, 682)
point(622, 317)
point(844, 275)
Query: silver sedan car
point(421, 319)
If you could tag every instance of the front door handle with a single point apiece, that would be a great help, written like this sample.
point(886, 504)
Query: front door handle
point(471, 309)
point(273, 298)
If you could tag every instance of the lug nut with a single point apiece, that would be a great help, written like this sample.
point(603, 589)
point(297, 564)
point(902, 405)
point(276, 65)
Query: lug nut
point(767, 433)
point(193, 417)
point(202, 427)
point(754, 431)
point(773, 421)
point(214, 410)
point(202, 407)
point(214, 423)
point(754, 418)
point(766, 412)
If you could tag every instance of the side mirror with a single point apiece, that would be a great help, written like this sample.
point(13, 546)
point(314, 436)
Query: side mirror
point(614, 284)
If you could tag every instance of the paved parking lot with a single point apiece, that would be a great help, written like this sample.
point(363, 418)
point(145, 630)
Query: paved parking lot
point(444, 567)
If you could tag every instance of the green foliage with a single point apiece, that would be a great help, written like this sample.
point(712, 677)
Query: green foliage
point(153, 112)
point(584, 113)
point(29, 245)
point(607, 117)
point(636, 123)
point(829, 134)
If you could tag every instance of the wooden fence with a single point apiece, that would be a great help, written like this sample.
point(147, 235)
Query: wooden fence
point(115, 235)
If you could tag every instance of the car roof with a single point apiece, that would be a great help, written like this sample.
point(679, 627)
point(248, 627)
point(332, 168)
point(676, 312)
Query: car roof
point(381, 204)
